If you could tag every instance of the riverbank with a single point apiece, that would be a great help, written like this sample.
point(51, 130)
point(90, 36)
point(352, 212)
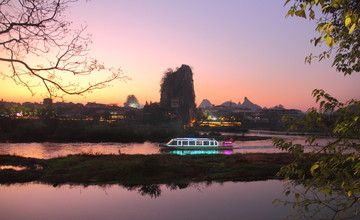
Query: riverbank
point(143, 169)
point(27, 131)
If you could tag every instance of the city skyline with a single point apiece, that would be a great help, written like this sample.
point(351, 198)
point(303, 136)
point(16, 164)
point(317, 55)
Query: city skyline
point(236, 49)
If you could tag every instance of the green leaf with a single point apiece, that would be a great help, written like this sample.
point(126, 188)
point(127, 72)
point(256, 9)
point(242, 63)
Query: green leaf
point(325, 7)
point(290, 13)
point(347, 21)
point(329, 40)
point(352, 28)
point(323, 27)
point(313, 168)
point(329, 29)
point(300, 13)
point(349, 193)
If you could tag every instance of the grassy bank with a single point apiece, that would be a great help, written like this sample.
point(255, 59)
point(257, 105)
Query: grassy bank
point(143, 169)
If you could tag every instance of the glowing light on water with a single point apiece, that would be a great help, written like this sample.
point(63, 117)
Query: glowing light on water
point(228, 152)
point(194, 152)
point(17, 168)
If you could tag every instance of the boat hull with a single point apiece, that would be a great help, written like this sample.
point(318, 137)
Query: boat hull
point(166, 147)
point(197, 144)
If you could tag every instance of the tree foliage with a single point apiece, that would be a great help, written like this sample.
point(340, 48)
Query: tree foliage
point(331, 169)
point(338, 26)
point(39, 48)
point(324, 177)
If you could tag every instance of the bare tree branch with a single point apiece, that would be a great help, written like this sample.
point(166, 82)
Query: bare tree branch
point(36, 30)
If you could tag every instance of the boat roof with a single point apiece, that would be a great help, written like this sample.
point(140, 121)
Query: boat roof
point(194, 139)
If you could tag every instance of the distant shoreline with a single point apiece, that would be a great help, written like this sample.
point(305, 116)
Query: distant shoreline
point(26, 131)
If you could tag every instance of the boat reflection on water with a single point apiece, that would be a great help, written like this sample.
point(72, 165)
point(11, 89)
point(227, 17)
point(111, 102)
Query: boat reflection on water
point(195, 152)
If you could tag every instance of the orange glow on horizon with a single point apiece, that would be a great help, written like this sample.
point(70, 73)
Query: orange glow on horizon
point(231, 57)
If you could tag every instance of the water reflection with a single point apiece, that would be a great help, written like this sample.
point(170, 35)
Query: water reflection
point(17, 168)
point(48, 150)
point(193, 152)
point(229, 200)
point(51, 150)
point(152, 190)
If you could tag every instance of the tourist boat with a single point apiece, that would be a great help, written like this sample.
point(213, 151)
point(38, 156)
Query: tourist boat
point(196, 143)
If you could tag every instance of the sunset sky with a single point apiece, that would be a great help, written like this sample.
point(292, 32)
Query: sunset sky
point(236, 49)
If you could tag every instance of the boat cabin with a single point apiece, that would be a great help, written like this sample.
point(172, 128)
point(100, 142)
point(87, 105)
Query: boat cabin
point(193, 142)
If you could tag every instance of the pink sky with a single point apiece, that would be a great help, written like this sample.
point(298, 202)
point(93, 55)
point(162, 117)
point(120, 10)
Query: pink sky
point(236, 49)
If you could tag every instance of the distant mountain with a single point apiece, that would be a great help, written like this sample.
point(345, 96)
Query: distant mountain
point(278, 107)
point(230, 104)
point(249, 105)
point(205, 104)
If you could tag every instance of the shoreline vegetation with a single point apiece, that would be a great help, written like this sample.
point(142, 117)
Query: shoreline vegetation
point(135, 170)
point(24, 131)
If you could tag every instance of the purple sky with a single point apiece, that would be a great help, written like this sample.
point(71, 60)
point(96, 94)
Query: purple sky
point(236, 49)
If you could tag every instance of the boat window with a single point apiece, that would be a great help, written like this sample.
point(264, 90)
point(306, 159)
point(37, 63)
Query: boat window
point(212, 143)
point(191, 143)
point(198, 142)
point(185, 143)
point(173, 143)
point(206, 142)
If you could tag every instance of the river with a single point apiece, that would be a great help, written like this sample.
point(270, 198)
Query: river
point(229, 200)
point(50, 150)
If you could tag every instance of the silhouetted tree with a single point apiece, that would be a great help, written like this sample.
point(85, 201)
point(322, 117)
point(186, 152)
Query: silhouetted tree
point(32, 29)
point(153, 114)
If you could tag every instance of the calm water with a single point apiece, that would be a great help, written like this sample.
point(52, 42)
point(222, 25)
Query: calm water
point(240, 200)
point(51, 150)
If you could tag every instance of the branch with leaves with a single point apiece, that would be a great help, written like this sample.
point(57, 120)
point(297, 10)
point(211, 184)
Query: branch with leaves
point(332, 170)
point(327, 174)
point(338, 26)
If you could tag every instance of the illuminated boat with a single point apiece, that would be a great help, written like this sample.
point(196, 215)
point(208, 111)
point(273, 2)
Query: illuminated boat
point(195, 143)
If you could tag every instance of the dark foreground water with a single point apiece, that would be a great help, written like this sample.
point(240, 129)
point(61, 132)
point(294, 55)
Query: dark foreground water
point(239, 200)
